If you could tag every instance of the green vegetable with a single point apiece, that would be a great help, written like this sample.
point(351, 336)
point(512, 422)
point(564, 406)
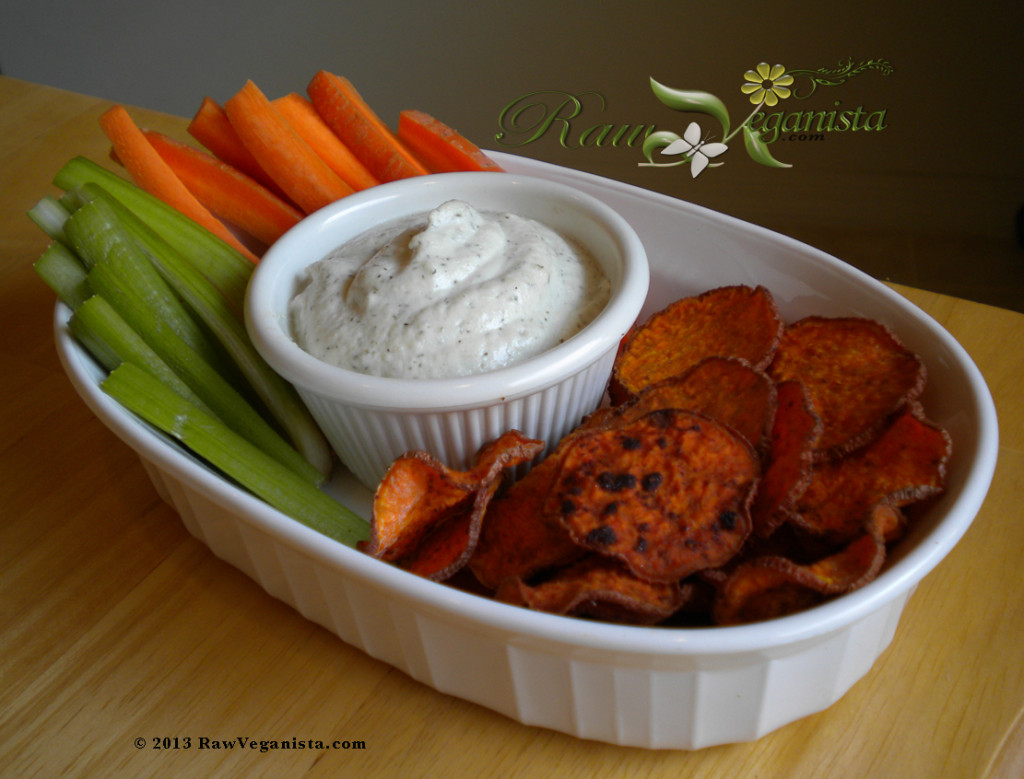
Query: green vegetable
point(64, 273)
point(222, 264)
point(96, 239)
point(205, 435)
point(158, 301)
point(49, 216)
point(210, 306)
point(111, 340)
point(121, 271)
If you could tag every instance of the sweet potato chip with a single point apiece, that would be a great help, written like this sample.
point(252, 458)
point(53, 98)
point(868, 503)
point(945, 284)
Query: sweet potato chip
point(415, 494)
point(727, 389)
point(905, 464)
point(602, 588)
point(795, 431)
point(668, 494)
point(857, 374)
point(448, 545)
point(757, 592)
point(516, 538)
point(736, 321)
point(888, 521)
point(769, 587)
point(506, 451)
point(426, 516)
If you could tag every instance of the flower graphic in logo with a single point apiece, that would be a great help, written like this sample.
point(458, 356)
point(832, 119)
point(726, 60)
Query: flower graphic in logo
point(767, 84)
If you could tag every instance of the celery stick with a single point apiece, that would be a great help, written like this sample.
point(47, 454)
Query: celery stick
point(73, 199)
point(207, 437)
point(64, 273)
point(49, 215)
point(122, 273)
point(207, 382)
point(93, 343)
point(221, 263)
point(111, 340)
point(96, 237)
point(210, 306)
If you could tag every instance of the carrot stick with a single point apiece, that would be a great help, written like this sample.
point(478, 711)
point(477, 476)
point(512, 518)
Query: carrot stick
point(298, 111)
point(359, 128)
point(280, 151)
point(212, 128)
point(226, 191)
point(149, 171)
point(439, 147)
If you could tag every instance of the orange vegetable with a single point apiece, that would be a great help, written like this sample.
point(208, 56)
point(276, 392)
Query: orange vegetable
point(601, 588)
point(359, 128)
point(212, 128)
point(280, 151)
point(299, 112)
point(857, 374)
point(226, 191)
point(426, 516)
point(439, 147)
point(149, 171)
point(668, 494)
point(734, 321)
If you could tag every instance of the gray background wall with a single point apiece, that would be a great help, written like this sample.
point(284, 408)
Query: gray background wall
point(948, 162)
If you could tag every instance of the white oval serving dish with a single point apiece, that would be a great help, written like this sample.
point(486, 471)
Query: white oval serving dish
point(637, 686)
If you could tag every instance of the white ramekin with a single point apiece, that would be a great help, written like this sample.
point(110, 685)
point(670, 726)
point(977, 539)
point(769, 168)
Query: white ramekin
point(371, 420)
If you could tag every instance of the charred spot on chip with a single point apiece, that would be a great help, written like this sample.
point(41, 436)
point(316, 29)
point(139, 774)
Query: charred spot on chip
point(651, 481)
point(616, 482)
point(611, 508)
point(727, 519)
point(640, 545)
point(630, 444)
point(602, 535)
point(567, 507)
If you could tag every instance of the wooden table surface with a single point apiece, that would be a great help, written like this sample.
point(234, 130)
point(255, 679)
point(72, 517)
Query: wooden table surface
point(119, 628)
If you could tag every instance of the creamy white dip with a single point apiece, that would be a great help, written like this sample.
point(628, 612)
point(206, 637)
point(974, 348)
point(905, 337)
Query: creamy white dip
point(450, 293)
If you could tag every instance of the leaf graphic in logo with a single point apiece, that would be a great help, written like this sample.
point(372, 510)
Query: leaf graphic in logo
point(693, 100)
point(758, 149)
point(656, 142)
